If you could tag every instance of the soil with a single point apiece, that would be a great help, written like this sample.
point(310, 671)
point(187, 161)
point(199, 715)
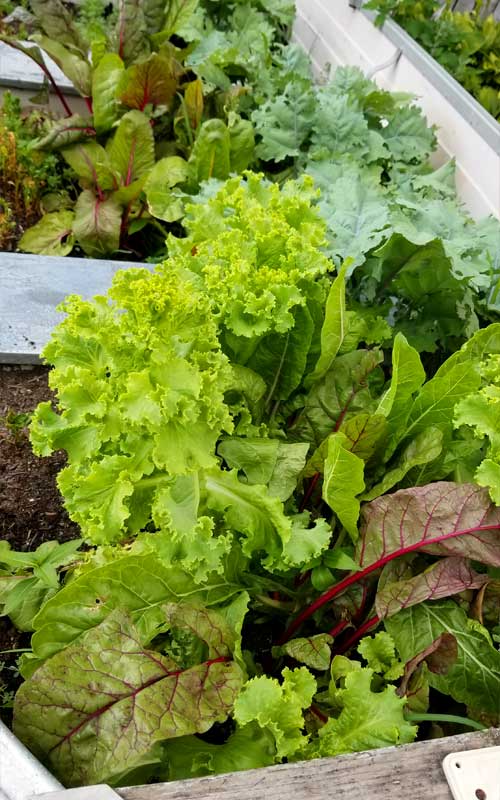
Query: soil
point(31, 509)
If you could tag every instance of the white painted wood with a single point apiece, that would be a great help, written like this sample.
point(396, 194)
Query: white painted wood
point(336, 34)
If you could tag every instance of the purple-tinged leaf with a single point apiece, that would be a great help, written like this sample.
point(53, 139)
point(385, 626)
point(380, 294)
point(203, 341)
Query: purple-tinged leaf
point(442, 518)
point(131, 39)
point(439, 656)
point(97, 708)
point(64, 132)
point(446, 577)
point(152, 82)
point(97, 224)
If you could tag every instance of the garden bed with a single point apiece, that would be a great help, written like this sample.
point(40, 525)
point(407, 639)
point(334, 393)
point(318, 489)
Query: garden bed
point(272, 445)
point(342, 33)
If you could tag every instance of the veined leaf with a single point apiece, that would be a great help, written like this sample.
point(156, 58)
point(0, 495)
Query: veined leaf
point(113, 677)
point(177, 13)
point(130, 36)
point(210, 157)
point(90, 162)
point(57, 23)
point(474, 679)
point(446, 577)
point(284, 123)
point(343, 481)
point(442, 518)
point(64, 132)
point(131, 151)
point(106, 79)
point(51, 236)
point(75, 66)
point(151, 82)
point(334, 327)
point(96, 224)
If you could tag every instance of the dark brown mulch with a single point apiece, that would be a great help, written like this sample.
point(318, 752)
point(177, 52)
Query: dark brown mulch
point(31, 509)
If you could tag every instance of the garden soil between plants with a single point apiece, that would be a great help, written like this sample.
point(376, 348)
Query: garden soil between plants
point(31, 509)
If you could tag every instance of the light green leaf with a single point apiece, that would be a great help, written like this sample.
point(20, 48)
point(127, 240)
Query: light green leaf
point(379, 652)
point(91, 164)
point(74, 65)
point(105, 80)
point(344, 479)
point(278, 708)
point(368, 719)
point(423, 449)
point(284, 123)
point(162, 202)
point(211, 157)
point(313, 651)
point(51, 236)
point(266, 461)
point(407, 377)
point(334, 327)
point(131, 150)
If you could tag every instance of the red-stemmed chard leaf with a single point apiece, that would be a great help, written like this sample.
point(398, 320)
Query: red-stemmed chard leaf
point(439, 656)
point(446, 577)
point(96, 709)
point(442, 518)
point(152, 82)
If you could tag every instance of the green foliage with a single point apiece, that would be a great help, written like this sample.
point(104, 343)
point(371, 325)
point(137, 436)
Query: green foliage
point(467, 44)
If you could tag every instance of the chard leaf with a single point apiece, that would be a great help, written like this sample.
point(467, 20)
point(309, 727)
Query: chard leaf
point(407, 377)
point(439, 656)
point(368, 719)
point(278, 708)
point(178, 13)
point(131, 151)
point(22, 598)
point(106, 78)
point(343, 481)
point(57, 23)
point(446, 577)
point(96, 225)
point(52, 236)
point(424, 449)
point(75, 66)
point(63, 132)
point(154, 15)
point(434, 404)
point(242, 142)
point(313, 651)
point(114, 678)
point(211, 155)
point(162, 202)
point(138, 584)
point(90, 162)
point(442, 518)
point(366, 434)
point(151, 82)
point(335, 327)
point(130, 36)
point(474, 678)
point(346, 390)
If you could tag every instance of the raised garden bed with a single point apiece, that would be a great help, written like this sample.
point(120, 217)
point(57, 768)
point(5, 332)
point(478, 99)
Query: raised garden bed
point(342, 33)
point(227, 417)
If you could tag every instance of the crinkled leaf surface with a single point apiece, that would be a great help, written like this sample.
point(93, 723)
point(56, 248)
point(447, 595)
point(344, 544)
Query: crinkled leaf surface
point(99, 706)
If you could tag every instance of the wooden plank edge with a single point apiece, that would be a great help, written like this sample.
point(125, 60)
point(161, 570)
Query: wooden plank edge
point(411, 771)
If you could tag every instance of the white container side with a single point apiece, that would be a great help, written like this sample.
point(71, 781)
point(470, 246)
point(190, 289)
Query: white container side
point(335, 34)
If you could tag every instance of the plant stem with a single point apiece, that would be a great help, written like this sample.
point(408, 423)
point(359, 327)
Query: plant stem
point(354, 577)
point(16, 650)
point(359, 633)
point(469, 723)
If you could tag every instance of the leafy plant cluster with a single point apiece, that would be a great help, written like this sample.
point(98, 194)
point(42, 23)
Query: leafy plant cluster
point(163, 84)
point(30, 182)
point(467, 44)
point(263, 473)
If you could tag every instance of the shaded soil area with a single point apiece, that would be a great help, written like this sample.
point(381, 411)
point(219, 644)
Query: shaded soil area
point(31, 509)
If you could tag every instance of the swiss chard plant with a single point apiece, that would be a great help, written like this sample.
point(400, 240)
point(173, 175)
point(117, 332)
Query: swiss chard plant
point(264, 473)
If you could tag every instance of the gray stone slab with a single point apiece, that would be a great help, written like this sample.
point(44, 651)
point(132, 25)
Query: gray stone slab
point(30, 289)
point(17, 69)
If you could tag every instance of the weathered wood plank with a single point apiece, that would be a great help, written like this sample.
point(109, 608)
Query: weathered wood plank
point(413, 772)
